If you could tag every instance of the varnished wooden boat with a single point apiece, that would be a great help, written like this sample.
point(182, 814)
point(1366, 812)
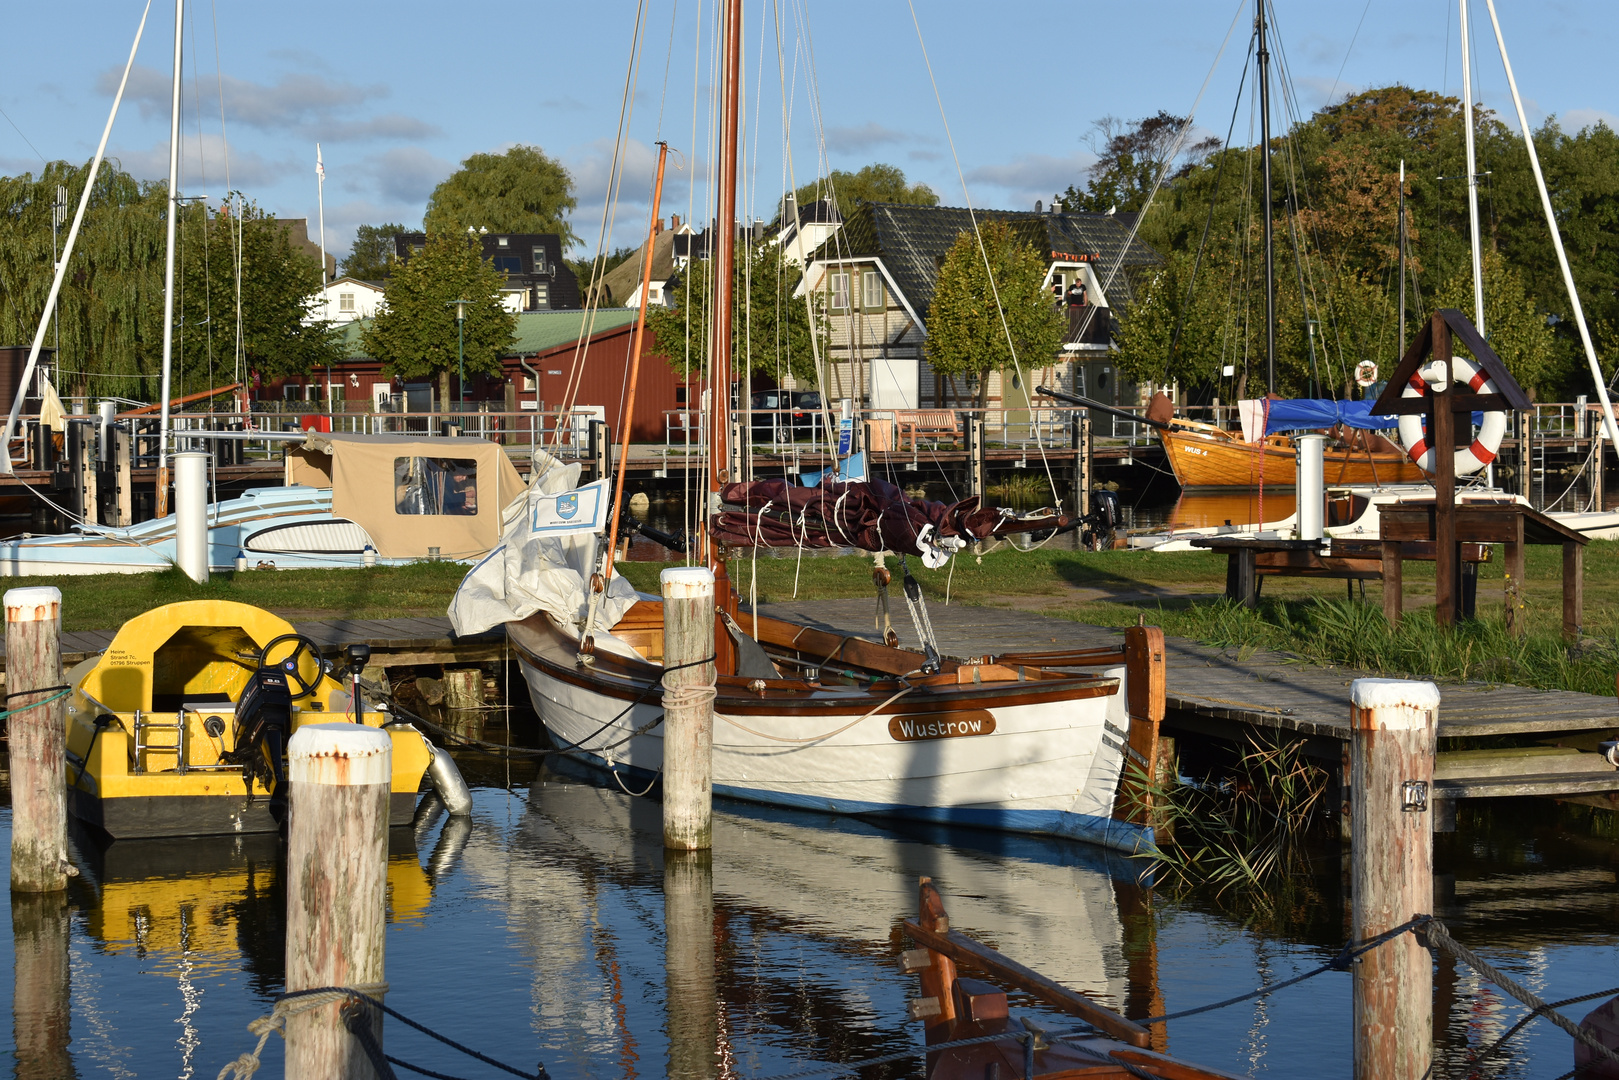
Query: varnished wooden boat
point(955, 1008)
point(1206, 456)
point(821, 721)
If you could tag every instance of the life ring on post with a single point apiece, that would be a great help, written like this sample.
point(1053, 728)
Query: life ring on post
point(1485, 445)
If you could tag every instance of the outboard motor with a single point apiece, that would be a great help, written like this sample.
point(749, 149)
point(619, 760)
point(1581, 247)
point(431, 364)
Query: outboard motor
point(1101, 523)
point(263, 720)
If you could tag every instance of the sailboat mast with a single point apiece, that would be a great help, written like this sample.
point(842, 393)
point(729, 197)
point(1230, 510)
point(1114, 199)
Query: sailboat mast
point(1270, 237)
point(1472, 172)
point(724, 259)
point(1401, 230)
point(168, 265)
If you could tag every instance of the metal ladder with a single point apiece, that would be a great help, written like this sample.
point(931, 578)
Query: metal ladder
point(144, 726)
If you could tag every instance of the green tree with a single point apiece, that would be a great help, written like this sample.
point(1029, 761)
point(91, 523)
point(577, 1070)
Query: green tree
point(967, 333)
point(372, 256)
point(1130, 157)
point(771, 331)
point(415, 334)
point(520, 191)
point(1514, 326)
point(109, 314)
point(876, 183)
point(279, 292)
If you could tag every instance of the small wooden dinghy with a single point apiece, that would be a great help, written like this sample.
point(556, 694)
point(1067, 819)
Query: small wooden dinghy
point(956, 1008)
point(180, 727)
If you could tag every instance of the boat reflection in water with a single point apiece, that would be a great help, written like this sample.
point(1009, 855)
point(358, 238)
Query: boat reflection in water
point(552, 927)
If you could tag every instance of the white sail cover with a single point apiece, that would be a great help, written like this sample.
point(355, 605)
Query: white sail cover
point(537, 567)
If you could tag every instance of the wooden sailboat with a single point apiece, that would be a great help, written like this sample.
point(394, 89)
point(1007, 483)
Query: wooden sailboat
point(811, 719)
point(1208, 456)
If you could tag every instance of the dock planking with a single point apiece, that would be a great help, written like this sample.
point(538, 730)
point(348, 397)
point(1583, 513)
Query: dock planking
point(1257, 687)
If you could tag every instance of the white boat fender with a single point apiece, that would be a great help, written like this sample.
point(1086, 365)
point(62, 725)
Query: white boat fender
point(448, 782)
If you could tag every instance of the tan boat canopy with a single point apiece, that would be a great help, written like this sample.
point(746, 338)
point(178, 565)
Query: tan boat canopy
point(412, 492)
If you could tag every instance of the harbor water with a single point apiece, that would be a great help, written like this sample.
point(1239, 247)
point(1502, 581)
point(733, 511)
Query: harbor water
point(552, 928)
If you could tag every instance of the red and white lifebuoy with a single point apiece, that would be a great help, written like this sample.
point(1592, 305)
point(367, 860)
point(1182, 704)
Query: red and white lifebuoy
point(1488, 441)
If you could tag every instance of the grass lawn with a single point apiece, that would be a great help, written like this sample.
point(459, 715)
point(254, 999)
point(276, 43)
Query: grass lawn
point(1178, 591)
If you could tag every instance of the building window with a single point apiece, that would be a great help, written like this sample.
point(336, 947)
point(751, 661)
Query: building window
point(840, 292)
point(680, 395)
point(542, 294)
point(345, 301)
point(871, 291)
point(508, 264)
point(424, 485)
point(292, 392)
point(528, 384)
point(542, 265)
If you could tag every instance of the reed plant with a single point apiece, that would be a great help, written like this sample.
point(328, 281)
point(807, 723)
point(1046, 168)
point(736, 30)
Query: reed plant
point(1021, 489)
point(1246, 835)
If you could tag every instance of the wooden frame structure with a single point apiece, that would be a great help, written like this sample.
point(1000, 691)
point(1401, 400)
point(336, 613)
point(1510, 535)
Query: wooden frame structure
point(1440, 407)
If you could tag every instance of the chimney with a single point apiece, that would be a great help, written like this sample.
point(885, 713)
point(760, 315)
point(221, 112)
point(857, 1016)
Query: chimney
point(674, 222)
point(657, 227)
point(789, 208)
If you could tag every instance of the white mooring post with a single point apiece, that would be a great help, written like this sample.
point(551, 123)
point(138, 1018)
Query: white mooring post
point(191, 513)
point(337, 864)
point(688, 707)
point(1395, 725)
point(38, 740)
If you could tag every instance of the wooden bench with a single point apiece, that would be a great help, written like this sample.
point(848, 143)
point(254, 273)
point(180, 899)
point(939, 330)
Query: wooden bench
point(934, 424)
point(1250, 561)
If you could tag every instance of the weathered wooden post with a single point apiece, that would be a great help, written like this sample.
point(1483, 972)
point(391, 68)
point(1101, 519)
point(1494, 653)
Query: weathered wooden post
point(1394, 725)
point(38, 739)
point(976, 465)
point(689, 976)
point(123, 484)
point(337, 863)
point(41, 986)
point(688, 706)
point(1082, 461)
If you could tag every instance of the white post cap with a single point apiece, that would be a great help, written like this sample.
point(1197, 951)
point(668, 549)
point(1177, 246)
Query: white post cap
point(687, 582)
point(32, 603)
point(1394, 704)
point(340, 755)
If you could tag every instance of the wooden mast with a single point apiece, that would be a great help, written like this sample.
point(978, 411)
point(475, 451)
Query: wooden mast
point(627, 419)
point(723, 260)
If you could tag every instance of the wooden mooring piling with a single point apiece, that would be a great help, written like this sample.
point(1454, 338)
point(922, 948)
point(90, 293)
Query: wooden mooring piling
point(688, 707)
point(37, 739)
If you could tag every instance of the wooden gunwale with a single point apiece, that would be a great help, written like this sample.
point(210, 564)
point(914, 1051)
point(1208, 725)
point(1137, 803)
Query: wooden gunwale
point(611, 675)
point(1221, 460)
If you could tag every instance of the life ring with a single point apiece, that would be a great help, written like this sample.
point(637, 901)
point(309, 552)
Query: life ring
point(1488, 441)
point(1365, 373)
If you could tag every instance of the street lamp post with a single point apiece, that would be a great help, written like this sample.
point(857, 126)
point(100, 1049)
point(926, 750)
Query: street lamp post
point(461, 351)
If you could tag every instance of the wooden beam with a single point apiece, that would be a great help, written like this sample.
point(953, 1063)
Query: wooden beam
point(1516, 621)
point(1442, 438)
point(962, 949)
point(1573, 589)
point(1393, 586)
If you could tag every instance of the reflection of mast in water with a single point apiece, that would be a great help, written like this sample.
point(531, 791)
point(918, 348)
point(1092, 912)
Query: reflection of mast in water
point(688, 950)
point(40, 1003)
point(190, 993)
point(1143, 996)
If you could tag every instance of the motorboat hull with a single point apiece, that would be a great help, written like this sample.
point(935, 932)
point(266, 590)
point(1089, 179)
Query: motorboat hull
point(1030, 757)
point(1206, 457)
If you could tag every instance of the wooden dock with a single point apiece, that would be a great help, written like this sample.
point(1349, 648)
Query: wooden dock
point(1223, 693)
point(1212, 693)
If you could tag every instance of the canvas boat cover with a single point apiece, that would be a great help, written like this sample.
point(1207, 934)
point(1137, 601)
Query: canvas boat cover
point(872, 515)
point(536, 568)
point(1313, 414)
point(412, 492)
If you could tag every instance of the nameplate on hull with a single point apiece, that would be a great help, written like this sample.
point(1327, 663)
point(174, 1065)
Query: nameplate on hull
point(955, 724)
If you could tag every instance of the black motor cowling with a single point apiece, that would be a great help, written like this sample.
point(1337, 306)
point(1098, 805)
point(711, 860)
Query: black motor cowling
point(263, 721)
point(1102, 522)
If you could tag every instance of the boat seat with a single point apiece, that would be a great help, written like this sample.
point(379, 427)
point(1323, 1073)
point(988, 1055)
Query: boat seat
point(752, 662)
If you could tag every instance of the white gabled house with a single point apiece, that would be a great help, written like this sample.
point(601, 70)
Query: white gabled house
point(348, 299)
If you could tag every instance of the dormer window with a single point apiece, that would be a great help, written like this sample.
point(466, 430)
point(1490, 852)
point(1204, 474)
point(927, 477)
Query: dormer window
point(541, 264)
point(503, 241)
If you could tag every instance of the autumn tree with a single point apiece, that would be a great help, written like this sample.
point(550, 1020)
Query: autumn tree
point(1129, 159)
point(523, 190)
point(771, 329)
point(877, 183)
point(415, 334)
point(985, 317)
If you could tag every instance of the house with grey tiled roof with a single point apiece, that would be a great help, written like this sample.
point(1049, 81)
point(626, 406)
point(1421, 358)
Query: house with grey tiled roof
point(877, 275)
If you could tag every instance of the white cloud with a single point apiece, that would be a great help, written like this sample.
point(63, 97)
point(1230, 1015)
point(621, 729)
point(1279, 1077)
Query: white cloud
point(312, 106)
point(854, 140)
point(591, 168)
point(1024, 179)
point(204, 170)
point(1578, 119)
point(403, 175)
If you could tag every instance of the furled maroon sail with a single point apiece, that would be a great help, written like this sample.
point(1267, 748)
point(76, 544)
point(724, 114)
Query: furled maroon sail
point(872, 515)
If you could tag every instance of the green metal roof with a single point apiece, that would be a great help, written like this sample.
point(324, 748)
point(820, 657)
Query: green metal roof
point(537, 331)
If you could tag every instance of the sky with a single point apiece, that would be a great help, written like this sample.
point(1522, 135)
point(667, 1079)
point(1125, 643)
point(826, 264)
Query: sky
point(988, 104)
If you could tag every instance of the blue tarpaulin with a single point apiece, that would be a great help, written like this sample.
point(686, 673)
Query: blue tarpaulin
point(1308, 414)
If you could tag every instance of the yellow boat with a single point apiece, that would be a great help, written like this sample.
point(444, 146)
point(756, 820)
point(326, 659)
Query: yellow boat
point(180, 727)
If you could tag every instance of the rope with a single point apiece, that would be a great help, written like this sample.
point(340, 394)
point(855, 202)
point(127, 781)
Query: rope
point(62, 692)
point(299, 1001)
point(1438, 937)
point(1341, 962)
point(818, 738)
